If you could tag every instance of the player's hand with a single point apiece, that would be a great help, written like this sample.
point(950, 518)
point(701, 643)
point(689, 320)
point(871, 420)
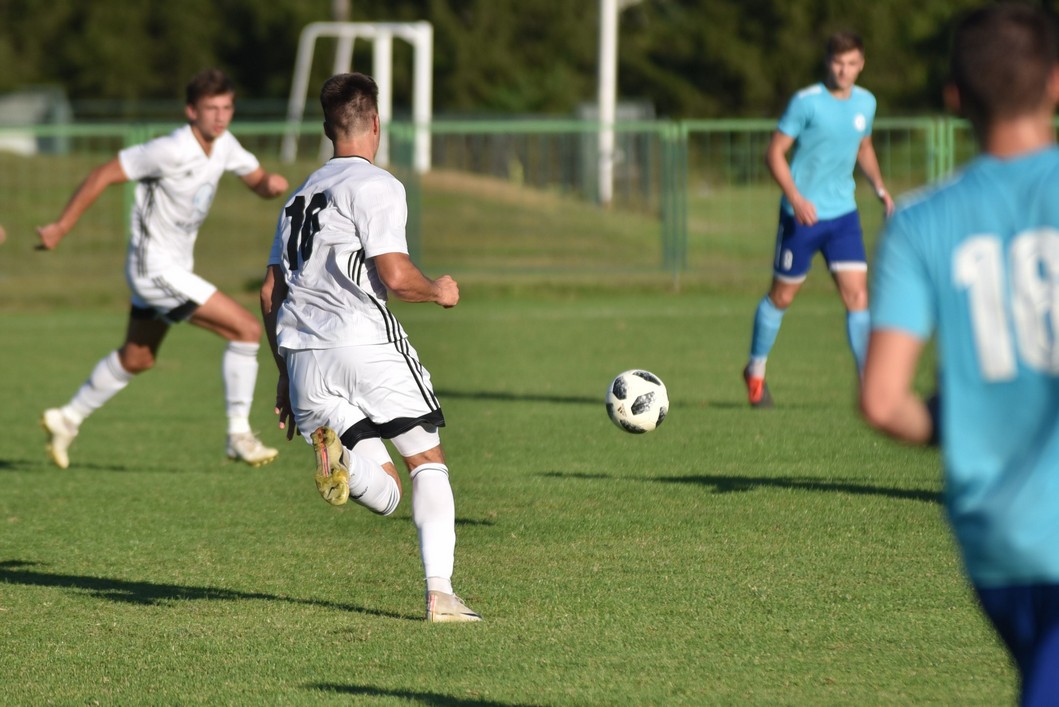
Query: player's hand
point(804, 211)
point(275, 185)
point(50, 236)
point(283, 409)
point(448, 291)
point(887, 200)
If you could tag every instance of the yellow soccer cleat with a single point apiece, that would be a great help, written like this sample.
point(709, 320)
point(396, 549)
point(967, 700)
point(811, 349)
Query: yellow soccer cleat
point(332, 476)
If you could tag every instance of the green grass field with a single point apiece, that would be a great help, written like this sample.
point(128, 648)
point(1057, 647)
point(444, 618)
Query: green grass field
point(732, 557)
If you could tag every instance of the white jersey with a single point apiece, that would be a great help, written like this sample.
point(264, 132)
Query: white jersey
point(177, 182)
point(347, 212)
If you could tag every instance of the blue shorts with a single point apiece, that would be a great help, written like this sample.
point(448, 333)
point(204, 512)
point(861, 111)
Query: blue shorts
point(841, 240)
point(1027, 619)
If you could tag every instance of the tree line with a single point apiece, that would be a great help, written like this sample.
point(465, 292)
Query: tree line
point(688, 58)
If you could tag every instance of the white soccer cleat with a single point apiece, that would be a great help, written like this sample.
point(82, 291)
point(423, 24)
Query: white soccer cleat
point(61, 433)
point(245, 447)
point(448, 608)
point(332, 476)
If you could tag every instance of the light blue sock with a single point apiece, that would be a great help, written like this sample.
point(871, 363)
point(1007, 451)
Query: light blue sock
point(858, 328)
point(767, 322)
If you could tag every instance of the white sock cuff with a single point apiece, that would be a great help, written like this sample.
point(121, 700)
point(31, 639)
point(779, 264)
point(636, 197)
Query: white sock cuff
point(113, 362)
point(244, 348)
point(435, 466)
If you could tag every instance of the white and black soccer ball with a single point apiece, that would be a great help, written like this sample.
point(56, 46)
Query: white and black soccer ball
point(637, 401)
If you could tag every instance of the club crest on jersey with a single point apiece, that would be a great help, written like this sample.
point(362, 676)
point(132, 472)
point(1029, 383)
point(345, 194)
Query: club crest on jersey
point(201, 202)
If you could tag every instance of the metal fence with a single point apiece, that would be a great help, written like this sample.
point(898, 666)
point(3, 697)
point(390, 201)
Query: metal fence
point(503, 199)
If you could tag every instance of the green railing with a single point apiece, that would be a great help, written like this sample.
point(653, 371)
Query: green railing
point(508, 199)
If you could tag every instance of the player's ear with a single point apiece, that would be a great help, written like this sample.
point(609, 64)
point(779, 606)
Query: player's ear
point(951, 95)
point(1053, 86)
point(190, 112)
point(328, 131)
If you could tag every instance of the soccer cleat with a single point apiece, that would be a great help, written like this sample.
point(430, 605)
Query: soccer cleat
point(448, 608)
point(245, 447)
point(332, 476)
point(757, 391)
point(61, 433)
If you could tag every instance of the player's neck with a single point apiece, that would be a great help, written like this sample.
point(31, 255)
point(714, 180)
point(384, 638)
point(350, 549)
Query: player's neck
point(205, 143)
point(355, 148)
point(839, 92)
point(1018, 136)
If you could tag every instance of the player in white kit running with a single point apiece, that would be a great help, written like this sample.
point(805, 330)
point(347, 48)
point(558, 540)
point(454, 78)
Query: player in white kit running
point(177, 178)
point(348, 377)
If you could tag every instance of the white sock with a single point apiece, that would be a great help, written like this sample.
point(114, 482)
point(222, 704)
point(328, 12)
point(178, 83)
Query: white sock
point(434, 515)
point(107, 379)
point(371, 486)
point(440, 584)
point(239, 369)
point(756, 366)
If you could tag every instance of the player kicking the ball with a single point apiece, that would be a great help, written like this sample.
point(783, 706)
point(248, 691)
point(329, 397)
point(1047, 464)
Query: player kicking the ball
point(348, 377)
point(177, 178)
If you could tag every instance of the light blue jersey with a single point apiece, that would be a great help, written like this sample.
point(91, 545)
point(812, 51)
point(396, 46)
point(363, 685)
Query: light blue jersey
point(975, 261)
point(827, 132)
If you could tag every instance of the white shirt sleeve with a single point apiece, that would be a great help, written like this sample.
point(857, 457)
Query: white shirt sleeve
point(240, 160)
point(381, 214)
point(150, 160)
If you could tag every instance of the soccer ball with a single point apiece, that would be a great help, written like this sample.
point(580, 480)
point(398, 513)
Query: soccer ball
point(637, 401)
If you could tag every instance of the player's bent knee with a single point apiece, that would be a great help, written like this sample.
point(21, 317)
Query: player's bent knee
point(420, 445)
point(135, 363)
point(855, 301)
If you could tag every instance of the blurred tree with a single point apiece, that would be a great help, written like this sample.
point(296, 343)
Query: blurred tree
point(691, 58)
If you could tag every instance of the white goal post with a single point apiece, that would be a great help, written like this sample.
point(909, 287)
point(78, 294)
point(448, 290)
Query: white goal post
point(419, 34)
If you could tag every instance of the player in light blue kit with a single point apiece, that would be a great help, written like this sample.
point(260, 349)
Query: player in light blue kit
point(829, 126)
point(974, 262)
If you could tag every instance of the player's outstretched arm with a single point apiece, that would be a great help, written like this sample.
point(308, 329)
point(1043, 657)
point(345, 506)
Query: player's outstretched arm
point(86, 194)
point(887, 400)
point(273, 292)
point(267, 185)
point(409, 284)
point(776, 161)
point(869, 164)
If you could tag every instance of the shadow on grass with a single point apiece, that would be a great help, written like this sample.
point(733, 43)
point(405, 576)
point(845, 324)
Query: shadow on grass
point(153, 593)
point(43, 463)
point(738, 484)
point(427, 698)
point(516, 397)
point(739, 404)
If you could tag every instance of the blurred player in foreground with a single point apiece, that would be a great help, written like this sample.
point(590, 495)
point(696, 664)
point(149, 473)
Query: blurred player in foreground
point(348, 376)
point(829, 127)
point(974, 262)
point(177, 178)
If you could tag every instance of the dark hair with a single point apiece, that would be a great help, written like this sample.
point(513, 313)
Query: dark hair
point(1002, 56)
point(350, 103)
point(842, 42)
point(207, 84)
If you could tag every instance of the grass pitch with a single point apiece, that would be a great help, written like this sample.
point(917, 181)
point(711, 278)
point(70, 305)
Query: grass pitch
point(731, 557)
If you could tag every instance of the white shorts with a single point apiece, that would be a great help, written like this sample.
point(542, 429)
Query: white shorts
point(173, 294)
point(362, 392)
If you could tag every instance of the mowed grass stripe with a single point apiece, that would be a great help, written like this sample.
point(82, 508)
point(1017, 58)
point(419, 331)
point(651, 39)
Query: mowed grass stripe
point(732, 556)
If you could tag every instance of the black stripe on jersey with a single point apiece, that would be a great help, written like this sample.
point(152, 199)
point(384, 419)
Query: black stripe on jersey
point(416, 369)
point(150, 192)
point(366, 429)
point(356, 271)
